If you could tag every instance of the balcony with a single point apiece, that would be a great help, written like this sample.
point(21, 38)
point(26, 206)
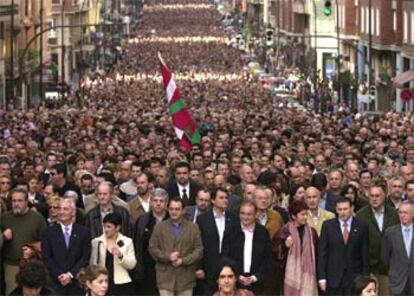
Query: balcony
point(6, 9)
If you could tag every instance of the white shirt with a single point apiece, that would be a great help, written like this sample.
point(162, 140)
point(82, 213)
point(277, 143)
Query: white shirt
point(379, 217)
point(247, 249)
point(187, 189)
point(407, 230)
point(145, 204)
point(221, 225)
point(315, 219)
point(263, 218)
point(69, 227)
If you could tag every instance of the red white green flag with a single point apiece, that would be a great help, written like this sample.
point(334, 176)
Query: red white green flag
point(184, 126)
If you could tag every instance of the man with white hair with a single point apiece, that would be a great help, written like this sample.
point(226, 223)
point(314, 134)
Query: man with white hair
point(66, 248)
point(94, 218)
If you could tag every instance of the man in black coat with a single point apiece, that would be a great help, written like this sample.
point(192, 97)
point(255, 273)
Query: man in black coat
point(66, 248)
point(249, 236)
point(215, 227)
point(343, 250)
point(145, 274)
point(181, 186)
point(93, 219)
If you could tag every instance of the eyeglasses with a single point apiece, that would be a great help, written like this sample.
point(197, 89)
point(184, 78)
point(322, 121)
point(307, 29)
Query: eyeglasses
point(4, 183)
point(54, 207)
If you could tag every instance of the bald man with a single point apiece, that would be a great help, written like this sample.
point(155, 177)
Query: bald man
point(316, 215)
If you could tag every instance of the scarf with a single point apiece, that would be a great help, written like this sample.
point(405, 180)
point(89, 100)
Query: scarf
point(300, 274)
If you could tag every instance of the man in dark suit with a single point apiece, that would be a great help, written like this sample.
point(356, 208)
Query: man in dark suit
point(379, 216)
point(203, 202)
point(182, 187)
point(343, 250)
point(145, 271)
point(397, 252)
point(66, 249)
point(214, 227)
point(250, 247)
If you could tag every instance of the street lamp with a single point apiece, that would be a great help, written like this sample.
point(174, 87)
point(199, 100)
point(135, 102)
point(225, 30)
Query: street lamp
point(62, 34)
point(11, 54)
point(41, 53)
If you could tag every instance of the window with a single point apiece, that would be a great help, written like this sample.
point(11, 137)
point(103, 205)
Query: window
point(394, 20)
point(377, 21)
point(367, 28)
point(411, 28)
point(343, 16)
point(362, 23)
point(55, 1)
point(372, 21)
point(405, 29)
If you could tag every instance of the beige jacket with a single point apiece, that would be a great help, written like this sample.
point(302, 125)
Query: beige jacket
point(121, 267)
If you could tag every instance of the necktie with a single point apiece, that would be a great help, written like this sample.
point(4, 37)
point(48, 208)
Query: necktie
point(176, 231)
point(345, 233)
point(185, 196)
point(67, 236)
point(407, 241)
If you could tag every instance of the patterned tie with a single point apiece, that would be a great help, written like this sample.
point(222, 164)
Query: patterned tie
point(67, 236)
point(407, 241)
point(185, 196)
point(345, 233)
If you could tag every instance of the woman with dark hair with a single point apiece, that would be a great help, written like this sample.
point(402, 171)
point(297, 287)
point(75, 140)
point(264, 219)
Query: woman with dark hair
point(364, 285)
point(114, 251)
point(94, 280)
point(226, 278)
point(295, 252)
point(351, 192)
point(297, 192)
point(32, 280)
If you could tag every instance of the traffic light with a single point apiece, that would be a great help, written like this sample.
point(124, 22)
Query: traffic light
point(372, 92)
point(328, 8)
point(269, 37)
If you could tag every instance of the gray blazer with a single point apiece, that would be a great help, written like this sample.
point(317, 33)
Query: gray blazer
point(394, 256)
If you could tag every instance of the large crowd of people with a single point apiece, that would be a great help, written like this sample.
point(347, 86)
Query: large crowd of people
point(274, 200)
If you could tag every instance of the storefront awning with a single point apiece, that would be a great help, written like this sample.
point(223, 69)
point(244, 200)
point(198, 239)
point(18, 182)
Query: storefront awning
point(403, 78)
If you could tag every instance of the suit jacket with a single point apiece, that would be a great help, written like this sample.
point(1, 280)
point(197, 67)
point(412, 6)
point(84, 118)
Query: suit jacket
point(274, 222)
point(121, 267)
point(211, 241)
point(330, 204)
point(375, 235)
point(190, 212)
point(172, 189)
point(190, 247)
point(93, 220)
point(323, 216)
point(394, 256)
point(60, 259)
point(340, 263)
point(136, 209)
point(261, 253)
point(143, 232)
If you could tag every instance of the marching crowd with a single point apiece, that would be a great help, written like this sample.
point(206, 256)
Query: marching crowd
point(274, 200)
